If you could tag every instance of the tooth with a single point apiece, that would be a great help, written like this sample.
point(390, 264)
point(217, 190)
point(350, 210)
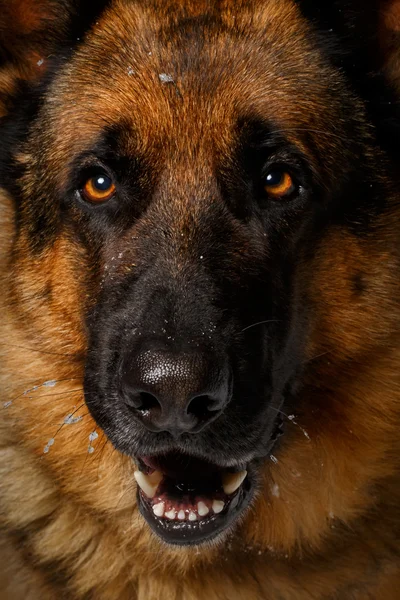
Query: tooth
point(148, 483)
point(158, 509)
point(192, 516)
point(218, 506)
point(232, 481)
point(181, 515)
point(202, 509)
point(171, 514)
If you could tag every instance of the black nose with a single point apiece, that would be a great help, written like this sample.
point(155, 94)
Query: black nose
point(175, 392)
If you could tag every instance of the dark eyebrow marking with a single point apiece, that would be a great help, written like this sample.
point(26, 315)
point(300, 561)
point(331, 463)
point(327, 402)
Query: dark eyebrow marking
point(110, 152)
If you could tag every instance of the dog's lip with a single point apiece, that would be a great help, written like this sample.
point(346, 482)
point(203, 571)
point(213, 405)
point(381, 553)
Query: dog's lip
point(193, 510)
point(194, 532)
point(188, 500)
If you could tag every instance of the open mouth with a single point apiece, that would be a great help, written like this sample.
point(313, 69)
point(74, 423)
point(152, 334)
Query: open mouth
point(187, 500)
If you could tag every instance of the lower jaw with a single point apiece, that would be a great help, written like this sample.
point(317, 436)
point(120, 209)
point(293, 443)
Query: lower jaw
point(186, 533)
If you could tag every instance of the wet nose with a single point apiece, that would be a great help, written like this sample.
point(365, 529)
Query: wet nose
point(178, 393)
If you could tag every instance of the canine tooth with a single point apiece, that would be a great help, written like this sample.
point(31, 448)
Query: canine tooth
point(158, 509)
point(202, 509)
point(232, 481)
point(192, 516)
point(171, 514)
point(181, 515)
point(148, 483)
point(218, 506)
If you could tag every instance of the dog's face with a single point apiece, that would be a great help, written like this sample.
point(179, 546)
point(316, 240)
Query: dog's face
point(200, 195)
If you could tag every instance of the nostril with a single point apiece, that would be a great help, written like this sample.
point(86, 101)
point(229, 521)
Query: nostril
point(203, 407)
point(148, 402)
point(143, 401)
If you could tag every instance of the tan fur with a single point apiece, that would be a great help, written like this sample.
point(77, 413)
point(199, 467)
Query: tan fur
point(70, 520)
point(390, 39)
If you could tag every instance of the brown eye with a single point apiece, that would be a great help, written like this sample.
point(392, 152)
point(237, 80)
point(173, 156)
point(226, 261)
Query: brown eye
point(279, 184)
point(99, 188)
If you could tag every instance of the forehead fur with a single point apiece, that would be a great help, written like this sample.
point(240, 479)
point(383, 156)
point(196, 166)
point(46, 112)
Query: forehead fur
point(179, 75)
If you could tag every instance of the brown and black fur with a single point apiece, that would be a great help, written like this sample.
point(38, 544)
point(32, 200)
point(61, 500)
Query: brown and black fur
point(321, 81)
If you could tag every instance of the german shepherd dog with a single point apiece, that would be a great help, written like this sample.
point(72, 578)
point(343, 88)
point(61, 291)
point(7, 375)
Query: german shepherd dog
point(200, 320)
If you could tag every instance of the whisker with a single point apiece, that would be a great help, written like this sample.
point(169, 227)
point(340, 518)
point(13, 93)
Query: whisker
point(52, 440)
point(61, 393)
point(101, 454)
point(69, 416)
point(306, 362)
point(259, 323)
point(291, 418)
point(55, 381)
point(90, 449)
point(67, 392)
point(50, 383)
point(318, 356)
point(39, 350)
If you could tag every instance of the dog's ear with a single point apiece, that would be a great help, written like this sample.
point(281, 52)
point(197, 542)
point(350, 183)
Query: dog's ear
point(389, 36)
point(362, 36)
point(29, 32)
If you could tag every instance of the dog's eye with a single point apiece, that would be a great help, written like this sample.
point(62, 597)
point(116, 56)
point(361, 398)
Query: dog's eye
point(98, 188)
point(279, 184)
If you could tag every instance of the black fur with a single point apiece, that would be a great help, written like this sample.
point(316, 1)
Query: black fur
point(347, 33)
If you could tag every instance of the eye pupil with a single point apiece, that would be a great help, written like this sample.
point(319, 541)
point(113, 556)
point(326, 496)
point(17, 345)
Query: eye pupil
point(102, 183)
point(274, 178)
